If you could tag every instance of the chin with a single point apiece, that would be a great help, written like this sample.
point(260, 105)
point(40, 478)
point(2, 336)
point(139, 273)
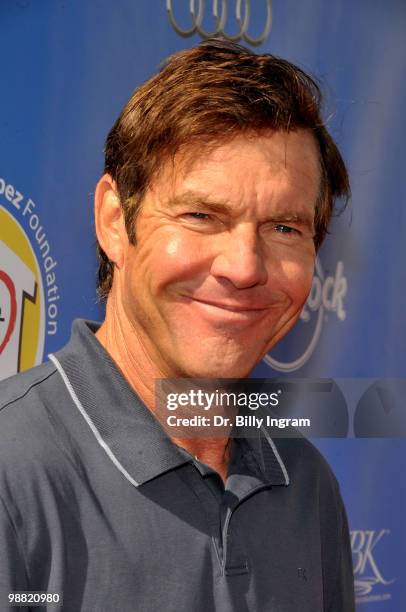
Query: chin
point(219, 370)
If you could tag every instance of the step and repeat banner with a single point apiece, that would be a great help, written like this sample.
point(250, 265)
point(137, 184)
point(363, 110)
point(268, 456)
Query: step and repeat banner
point(67, 68)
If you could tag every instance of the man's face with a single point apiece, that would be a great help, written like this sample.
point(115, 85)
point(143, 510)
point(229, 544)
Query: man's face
point(224, 255)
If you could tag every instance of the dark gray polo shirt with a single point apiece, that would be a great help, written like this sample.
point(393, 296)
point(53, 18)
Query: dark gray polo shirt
point(97, 504)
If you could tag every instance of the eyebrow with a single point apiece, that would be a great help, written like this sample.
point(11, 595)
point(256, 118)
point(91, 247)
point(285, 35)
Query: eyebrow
point(301, 219)
point(196, 200)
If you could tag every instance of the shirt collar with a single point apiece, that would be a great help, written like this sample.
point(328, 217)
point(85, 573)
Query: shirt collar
point(124, 427)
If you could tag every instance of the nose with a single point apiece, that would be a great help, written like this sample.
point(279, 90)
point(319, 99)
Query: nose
point(239, 258)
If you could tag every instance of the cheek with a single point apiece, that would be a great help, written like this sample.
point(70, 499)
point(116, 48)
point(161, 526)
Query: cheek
point(173, 246)
point(167, 257)
point(297, 277)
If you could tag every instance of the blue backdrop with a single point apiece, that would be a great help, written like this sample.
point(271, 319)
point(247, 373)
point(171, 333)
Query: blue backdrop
point(67, 68)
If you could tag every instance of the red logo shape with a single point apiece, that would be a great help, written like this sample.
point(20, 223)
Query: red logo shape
point(13, 308)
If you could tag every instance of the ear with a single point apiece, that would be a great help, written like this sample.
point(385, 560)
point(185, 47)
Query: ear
point(109, 220)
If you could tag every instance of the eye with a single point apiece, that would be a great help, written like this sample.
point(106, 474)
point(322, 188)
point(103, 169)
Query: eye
point(286, 229)
point(198, 215)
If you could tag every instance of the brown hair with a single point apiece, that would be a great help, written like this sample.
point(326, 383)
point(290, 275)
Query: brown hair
point(208, 94)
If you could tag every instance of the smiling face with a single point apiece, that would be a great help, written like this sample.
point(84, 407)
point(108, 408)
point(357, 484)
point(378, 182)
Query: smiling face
point(224, 255)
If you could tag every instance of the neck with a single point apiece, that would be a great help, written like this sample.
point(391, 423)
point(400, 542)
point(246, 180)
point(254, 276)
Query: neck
point(126, 346)
point(214, 452)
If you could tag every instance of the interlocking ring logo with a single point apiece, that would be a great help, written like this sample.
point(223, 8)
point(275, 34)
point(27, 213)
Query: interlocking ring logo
point(220, 18)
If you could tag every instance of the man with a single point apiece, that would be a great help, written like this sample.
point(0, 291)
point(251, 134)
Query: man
point(219, 184)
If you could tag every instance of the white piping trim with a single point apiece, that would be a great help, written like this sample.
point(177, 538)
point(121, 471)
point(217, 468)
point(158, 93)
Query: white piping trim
point(277, 455)
point(89, 421)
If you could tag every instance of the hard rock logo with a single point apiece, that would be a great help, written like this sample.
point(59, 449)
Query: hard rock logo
point(326, 296)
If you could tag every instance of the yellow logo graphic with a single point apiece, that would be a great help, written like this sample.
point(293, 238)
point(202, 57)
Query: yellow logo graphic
point(22, 311)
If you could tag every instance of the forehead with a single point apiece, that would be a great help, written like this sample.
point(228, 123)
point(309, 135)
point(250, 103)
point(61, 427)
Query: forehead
point(259, 160)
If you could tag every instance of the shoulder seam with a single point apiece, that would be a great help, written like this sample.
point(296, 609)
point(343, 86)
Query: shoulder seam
point(31, 386)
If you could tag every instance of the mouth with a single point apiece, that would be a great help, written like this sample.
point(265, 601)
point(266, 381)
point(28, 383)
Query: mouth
point(239, 308)
point(227, 313)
